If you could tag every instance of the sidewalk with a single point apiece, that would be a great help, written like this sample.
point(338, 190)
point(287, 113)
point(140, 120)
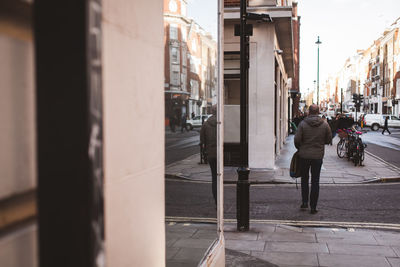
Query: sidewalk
point(334, 170)
point(284, 245)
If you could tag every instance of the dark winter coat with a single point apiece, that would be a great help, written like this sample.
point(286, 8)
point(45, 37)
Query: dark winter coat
point(386, 123)
point(208, 137)
point(311, 136)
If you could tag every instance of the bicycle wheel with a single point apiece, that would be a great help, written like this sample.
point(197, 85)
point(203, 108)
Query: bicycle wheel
point(341, 149)
point(356, 158)
point(361, 156)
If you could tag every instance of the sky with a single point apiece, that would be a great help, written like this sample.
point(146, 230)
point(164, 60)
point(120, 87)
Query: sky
point(344, 26)
point(205, 13)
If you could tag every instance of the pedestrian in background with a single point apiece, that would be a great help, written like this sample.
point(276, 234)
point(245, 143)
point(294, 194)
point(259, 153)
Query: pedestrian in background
point(172, 122)
point(297, 120)
point(385, 127)
point(312, 135)
point(333, 124)
point(183, 123)
point(208, 141)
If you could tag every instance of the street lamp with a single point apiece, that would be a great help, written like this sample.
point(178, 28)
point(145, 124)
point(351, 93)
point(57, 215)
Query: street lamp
point(318, 42)
point(314, 90)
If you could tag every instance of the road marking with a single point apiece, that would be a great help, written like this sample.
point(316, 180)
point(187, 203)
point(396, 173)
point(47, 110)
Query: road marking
point(190, 219)
point(329, 224)
point(186, 180)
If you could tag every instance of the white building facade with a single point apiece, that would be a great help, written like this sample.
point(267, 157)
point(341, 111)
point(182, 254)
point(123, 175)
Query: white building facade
point(270, 73)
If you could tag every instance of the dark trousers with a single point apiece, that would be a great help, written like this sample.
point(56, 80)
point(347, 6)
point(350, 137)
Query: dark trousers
point(386, 129)
point(315, 165)
point(213, 167)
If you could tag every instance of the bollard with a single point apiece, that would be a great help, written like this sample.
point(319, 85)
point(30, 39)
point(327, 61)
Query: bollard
point(243, 199)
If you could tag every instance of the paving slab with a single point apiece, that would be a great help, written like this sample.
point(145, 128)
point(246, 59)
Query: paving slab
point(296, 247)
point(386, 240)
point(280, 228)
point(397, 250)
point(206, 234)
point(294, 237)
point(241, 235)
point(361, 250)
point(189, 254)
point(394, 262)
point(170, 241)
point(245, 245)
point(237, 259)
point(181, 263)
point(338, 260)
point(347, 238)
point(269, 244)
point(171, 252)
point(193, 243)
point(288, 258)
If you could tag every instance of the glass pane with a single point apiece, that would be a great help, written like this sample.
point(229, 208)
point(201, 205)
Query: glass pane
point(190, 91)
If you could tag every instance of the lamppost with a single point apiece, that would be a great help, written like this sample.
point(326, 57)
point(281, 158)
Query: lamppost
point(318, 42)
point(341, 100)
point(244, 30)
point(315, 82)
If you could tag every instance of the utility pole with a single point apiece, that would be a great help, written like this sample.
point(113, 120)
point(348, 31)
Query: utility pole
point(243, 185)
point(318, 42)
point(244, 30)
point(341, 100)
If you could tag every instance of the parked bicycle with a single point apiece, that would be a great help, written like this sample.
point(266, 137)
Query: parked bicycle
point(357, 148)
point(351, 146)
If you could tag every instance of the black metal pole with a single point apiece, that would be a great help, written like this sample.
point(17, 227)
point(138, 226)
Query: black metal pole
point(243, 185)
point(341, 100)
point(318, 42)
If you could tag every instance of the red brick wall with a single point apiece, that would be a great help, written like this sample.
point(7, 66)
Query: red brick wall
point(230, 3)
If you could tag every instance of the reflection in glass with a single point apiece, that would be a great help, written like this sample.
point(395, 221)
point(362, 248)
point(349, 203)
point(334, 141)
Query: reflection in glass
point(190, 91)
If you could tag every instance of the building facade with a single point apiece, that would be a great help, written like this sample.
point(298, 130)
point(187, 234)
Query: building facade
point(271, 73)
point(375, 73)
point(190, 63)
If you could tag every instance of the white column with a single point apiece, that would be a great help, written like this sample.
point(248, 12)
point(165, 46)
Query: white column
point(133, 52)
point(261, 97)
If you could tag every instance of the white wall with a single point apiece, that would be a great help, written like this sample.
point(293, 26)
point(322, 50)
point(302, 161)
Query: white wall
point(232, 124)
point(261, 93)
point(261, 97)
point(133, 73)
point(19, 248)
point(17, 117)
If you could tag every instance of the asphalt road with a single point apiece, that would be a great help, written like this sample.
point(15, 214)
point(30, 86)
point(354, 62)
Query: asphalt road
point(387, 147)
point(179, 146)
point(377, 203)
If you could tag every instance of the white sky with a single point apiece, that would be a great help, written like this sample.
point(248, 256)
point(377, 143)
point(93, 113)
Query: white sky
point(343, 26)
point(205, 13)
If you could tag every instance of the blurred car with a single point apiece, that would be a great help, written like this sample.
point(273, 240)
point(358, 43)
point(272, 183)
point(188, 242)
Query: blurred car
point(376, 121)
point(197, 121)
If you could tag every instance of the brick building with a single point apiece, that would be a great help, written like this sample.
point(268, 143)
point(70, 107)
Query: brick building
point(190, 63)
point(375, 73)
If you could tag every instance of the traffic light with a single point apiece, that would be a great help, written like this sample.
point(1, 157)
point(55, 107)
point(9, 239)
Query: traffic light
point(355, 98)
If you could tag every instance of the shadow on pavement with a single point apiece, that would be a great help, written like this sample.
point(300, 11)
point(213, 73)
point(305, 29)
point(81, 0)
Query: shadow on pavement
point(238, 259)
